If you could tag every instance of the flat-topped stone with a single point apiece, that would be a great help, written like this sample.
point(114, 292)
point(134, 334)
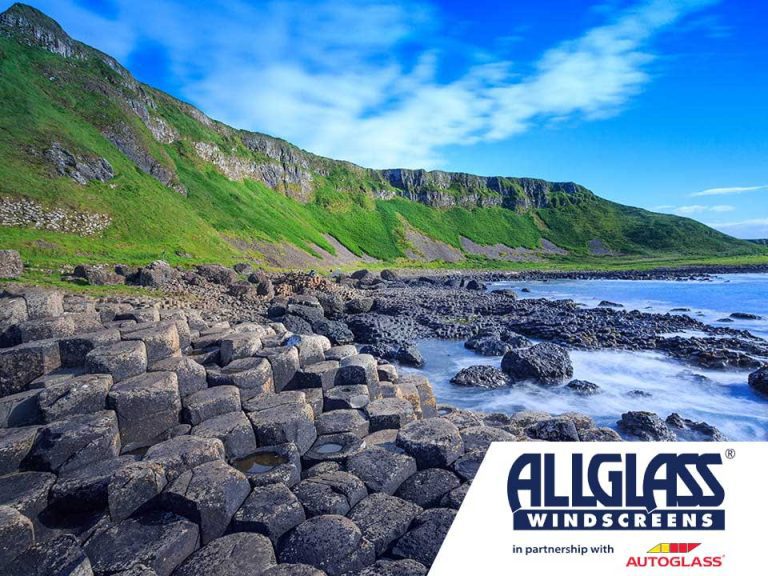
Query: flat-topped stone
point(122, 360)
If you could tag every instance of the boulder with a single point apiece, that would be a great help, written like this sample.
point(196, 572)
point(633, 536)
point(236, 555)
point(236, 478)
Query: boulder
point(26, 492)
point(380, 469)
point(74, 349)
point(280, 418)
point(21, 364)
point(482, 377)
point(96, 275)
point(16, 531)
point(346, 397)
point(645, 426)
point(240, 554)
point(43, 303)
point(425, 536)
point(233, 429)
point(434, 442)
point(183, 453)
point(409, 355)
point(161, 341)
point(11, 265)
point(694, 431)
point(545, 363)
point(209, 494)
point(271, 510)
point(158, 540)
point(146, 405)
point(75, 442)
point(758, 380)
point(61, 556)
point(583, 387)
point(209, 403)
point(455, 497)
point(426, 488)
point(389, 413)
point(309, 543)
point(358, 305)
point(330, 493)
point(554, 430)
point(284, 361)
point(382, 519)
point(218, 274)
point(80, 395)
point(190, 375)
point(337, 332)
point(122, 360)
point(157, 274)
point(132, 487)
point(467, 465)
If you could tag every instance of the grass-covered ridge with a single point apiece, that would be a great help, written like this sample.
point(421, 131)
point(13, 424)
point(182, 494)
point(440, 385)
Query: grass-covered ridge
point(78, 101)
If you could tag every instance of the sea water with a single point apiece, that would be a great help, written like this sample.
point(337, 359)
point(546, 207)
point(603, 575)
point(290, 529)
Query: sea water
point(721, 398)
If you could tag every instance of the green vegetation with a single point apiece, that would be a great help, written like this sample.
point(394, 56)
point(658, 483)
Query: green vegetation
point(45, 98)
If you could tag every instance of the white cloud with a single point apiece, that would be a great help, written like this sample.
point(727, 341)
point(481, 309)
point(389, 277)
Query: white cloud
point(727, 191)
point(342, 78)
point(752, 228)
point(700, 209)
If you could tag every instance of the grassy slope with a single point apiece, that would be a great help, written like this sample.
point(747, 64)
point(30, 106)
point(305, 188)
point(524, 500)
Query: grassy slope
point(45, 98)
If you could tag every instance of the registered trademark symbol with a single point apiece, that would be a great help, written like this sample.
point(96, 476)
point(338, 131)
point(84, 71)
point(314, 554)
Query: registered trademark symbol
point(730, 453)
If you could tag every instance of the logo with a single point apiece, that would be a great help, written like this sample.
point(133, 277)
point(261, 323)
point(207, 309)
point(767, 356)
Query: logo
point(674, 555)
point(616, 491)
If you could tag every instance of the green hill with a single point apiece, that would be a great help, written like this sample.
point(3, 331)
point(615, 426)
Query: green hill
point(97, 166)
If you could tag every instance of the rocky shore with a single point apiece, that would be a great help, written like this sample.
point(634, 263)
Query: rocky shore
point(243, 423)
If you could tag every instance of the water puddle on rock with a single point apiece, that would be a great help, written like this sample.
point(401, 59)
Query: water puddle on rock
point(259, 463)
point(627, 380)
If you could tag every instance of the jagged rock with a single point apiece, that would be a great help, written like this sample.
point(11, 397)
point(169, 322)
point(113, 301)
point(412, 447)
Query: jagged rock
point(16, 534)
point(159, 540)
point(346, 397)
point(183, 453)
point(61, 556)
point(233, 429)
point(335, 330)
point(382, 519)
point(583, 387)
point(358, 305)
point(427, 488)
point(80, 395)
point(280, 418)
point(75, 442)
point(482, 377)
point(146, 405)
point(330, 493)
point(389, 413)
point(210, 494)
point(434, 442)
point(554, 430)
point(545, 363)
point(758, 380)
point(133, 486)
point(209, 403)
point(694, 431)
point(332, 543)
point(21, 364)
point(332, 304)
point(232, 555)
point(335, 421)
point(455, 497)
point(645, 426)
point(11, 265)
point(381, 470)
point(272, 464)
point(423, 540)
point(271, 510)
point(122, 360)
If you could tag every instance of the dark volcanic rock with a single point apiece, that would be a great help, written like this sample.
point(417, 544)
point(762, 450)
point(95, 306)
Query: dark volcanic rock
point(427, 488)
point(159, 540)
point(583, 387)
point(332, 543)
point(694, 431)
point(382, 470)
point(16, 534)
point(382, 519)
point(11, 265)
point(434, 443)
point(423, 540)
point(271, 510)
point(645, 426)
point(61, 556)
point(554, 430)
point(232, 555)
point(759, 380)
point(545, 363)
point(330, 493)
point(482, 377)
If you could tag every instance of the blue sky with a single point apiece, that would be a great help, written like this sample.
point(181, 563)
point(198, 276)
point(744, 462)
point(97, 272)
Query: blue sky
point(654, 103)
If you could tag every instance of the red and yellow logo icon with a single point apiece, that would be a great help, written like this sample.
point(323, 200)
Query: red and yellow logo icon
point(674, 547)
